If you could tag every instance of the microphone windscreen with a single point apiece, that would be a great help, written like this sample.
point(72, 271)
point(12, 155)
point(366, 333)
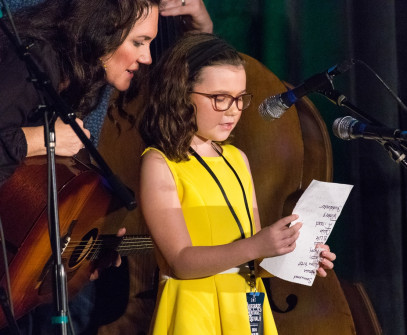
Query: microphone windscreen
point(271, 108)
point(341, 127)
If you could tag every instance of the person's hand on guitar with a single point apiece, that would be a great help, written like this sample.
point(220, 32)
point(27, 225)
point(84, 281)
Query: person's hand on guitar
point(110, 258)
point(67, 142)
point(200, 19)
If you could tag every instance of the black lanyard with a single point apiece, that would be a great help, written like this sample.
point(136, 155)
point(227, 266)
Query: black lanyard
point(200, 160)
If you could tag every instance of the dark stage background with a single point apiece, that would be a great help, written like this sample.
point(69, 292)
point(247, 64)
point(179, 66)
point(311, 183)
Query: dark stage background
point(298, 38)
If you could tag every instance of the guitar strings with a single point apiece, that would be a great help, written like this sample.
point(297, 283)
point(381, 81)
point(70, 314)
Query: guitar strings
point(127, 244)
point(73, 244)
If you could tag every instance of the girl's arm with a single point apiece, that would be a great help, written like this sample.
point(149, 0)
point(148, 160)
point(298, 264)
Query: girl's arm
point(327, 257)
point(163, 214)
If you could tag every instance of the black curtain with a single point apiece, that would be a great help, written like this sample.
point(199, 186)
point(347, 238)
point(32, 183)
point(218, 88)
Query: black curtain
point(377, 211)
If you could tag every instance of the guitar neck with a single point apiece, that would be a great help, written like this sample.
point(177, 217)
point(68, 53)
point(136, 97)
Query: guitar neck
point(126, 245)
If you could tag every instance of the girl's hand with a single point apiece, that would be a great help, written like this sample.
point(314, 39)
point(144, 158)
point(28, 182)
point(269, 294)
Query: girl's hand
point(326, 260)
point(278, 239)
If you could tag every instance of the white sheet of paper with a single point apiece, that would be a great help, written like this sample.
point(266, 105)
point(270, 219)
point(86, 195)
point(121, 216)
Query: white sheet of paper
point(318, 208)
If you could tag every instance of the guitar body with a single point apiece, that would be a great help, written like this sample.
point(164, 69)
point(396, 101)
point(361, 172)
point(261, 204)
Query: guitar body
point(85, 208)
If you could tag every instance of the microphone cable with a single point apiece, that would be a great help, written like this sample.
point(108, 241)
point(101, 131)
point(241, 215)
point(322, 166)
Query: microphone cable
point(387, 87)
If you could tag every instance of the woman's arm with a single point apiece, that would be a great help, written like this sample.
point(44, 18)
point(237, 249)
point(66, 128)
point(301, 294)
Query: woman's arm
point(21, 133)
point(67, 142)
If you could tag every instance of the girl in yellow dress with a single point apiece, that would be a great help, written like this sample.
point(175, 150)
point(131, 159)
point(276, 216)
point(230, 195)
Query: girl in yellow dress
point(198, 199)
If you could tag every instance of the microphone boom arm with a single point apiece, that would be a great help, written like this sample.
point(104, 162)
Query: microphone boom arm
point(395, 149)
point(342, 101)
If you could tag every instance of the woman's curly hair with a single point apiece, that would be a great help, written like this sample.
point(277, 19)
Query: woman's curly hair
point(81, 32)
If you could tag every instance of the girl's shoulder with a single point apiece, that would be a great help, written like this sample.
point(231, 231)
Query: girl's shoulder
point(235, 153)
point(152, 151)
point(155, 164)
point(229, 149)
point(154, 155)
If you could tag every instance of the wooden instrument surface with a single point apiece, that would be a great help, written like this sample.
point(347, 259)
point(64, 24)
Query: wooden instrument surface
point(285, 155)
point(86, 208)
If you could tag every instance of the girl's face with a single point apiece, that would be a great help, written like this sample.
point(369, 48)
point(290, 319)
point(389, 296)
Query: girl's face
point(135, 49)
point(216, 125)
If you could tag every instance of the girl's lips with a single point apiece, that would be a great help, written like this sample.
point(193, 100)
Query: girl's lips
point(227, 126)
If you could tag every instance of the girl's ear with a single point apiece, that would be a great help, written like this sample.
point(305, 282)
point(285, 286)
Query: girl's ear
point(193, 105)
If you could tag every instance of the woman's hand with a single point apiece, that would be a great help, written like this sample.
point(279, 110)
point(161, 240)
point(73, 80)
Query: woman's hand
point(201, 21)
point(110, 258)
point(67, 142)
point(326, 260)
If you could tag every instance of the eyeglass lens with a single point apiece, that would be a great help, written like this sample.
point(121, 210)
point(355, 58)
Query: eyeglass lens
point(224, 101)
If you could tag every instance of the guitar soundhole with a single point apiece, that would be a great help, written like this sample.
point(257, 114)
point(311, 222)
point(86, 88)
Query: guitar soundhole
point(83, 248)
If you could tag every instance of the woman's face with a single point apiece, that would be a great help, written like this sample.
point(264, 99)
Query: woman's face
point(135, 49)
point(220, 79)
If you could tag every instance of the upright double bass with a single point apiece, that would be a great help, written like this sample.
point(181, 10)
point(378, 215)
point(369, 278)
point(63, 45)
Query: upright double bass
point(285, 156)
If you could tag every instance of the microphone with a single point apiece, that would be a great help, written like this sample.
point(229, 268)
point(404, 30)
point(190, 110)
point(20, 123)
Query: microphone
point(348, 128)
point(275, 106)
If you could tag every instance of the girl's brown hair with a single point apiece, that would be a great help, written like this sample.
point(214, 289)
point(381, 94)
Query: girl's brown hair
point(168, 122)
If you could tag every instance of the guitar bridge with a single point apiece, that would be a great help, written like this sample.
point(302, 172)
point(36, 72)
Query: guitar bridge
point(64, 243)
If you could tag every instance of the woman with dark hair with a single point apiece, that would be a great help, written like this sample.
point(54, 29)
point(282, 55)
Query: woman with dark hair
point(77, 43)
point(176, 17)
point(198, 198)
point(82, 46)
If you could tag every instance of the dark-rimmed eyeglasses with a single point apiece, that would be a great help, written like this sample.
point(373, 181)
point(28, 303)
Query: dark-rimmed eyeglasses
point(222, 102)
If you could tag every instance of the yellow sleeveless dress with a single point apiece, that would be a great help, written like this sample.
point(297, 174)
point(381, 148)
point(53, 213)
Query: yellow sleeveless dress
point(215, 304)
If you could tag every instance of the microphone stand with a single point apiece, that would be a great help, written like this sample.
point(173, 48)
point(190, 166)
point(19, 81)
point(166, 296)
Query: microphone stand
point(342, 101)
point(395, 149)
point(60, 319)
point(61, 109)
point(5, 294)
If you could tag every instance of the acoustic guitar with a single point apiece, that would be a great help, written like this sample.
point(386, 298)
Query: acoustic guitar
point(87, 209)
